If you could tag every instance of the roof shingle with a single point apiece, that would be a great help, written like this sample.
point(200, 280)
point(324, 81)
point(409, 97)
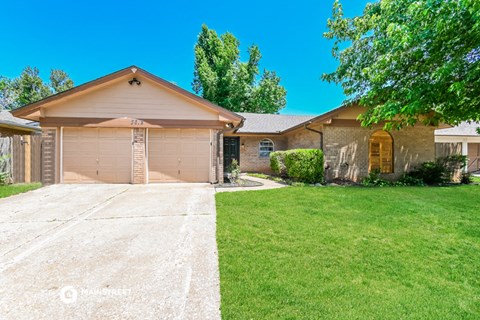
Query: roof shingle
point(270, 123)
point(463, 129)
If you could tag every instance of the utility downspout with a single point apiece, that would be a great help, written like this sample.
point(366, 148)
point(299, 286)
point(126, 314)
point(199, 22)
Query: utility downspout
point(234, 129)
point(316, 131)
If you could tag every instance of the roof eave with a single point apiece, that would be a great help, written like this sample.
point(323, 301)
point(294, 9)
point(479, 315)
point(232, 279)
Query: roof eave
point(26, 110)
point(17, 126)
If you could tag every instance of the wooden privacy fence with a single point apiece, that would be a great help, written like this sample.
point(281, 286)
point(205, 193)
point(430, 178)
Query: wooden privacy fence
point(21, 156)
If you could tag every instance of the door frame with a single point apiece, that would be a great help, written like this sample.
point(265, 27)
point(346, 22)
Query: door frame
point(237, 151)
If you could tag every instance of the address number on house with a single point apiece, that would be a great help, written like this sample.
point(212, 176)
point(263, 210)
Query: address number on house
point(135, 122)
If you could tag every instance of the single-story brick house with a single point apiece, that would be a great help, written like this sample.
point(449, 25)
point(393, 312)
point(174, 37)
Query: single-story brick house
point(462, 139)
point(351, 151)
point(134, 127)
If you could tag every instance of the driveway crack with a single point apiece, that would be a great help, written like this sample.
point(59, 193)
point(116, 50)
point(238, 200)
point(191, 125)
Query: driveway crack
point(66, 224)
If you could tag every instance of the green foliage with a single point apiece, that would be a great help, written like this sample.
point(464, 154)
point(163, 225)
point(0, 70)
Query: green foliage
point(407, 180)
point(466, 178)
point(452, 164)
point(304, 165)
point(266, 176)
point(222, 78)
point(60, 81)
point(29, 87)
point(234, 171)
point(440, 171)
point(12, 189)
point(431, 173)
point(374, 179)
point(409, 60)
point(277, 163)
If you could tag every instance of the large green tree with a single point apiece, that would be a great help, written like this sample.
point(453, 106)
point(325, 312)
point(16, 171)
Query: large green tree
point(409, 60)
point(222, 78)
point(29, 87)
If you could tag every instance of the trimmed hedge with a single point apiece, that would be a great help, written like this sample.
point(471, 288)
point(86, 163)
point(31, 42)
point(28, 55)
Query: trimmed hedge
point(303, 165)
point(277, 163)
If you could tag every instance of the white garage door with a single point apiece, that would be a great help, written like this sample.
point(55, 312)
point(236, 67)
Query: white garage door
point(93, 155)
point(178, 155)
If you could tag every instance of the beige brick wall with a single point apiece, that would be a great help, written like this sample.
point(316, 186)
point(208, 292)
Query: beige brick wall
point(49, 156)
point(139, 165)
point(250, 161)
point(303, 139)
point(346, 150)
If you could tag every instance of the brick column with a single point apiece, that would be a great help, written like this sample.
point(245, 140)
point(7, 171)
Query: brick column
point(220, 159)
point(48, 155)
point(139, 166)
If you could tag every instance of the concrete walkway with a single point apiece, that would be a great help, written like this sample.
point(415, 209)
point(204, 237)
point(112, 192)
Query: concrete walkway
point(267, 184)
point(109, 252)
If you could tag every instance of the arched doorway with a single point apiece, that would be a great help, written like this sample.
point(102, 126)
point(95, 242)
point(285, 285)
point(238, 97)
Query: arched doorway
point(381, 152)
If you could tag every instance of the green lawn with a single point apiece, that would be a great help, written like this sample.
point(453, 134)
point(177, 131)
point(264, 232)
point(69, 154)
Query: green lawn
point(350, 253)
point(11, 189)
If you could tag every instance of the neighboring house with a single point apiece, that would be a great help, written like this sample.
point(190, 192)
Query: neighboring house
point(462, 139)
point(133, 127)
point(351, 151)
point(20, 143)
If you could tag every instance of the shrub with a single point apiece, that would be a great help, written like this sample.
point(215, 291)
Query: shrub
point(430, 173)
point(374, 180)
point(407, 180)
point(277, 163)
point(234, 169)
point(453, 166)
point(304, 165)
point(466, 178)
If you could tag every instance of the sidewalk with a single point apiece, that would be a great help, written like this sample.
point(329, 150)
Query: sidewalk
point(267, 184)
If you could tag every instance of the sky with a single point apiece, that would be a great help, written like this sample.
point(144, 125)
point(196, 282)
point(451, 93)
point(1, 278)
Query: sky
point(89, 39)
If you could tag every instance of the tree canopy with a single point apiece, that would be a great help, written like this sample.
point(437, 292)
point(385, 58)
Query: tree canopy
point(29, 87)
point(409, 60)
point(222, 78)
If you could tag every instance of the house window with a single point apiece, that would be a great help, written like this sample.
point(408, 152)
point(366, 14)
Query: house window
point(381, 152)
point(265, 148)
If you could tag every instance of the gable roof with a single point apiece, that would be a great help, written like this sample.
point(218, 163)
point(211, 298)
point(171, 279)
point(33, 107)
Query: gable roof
point(270, 123)
point(463, 129)
point(132, 70)
point(7, 120)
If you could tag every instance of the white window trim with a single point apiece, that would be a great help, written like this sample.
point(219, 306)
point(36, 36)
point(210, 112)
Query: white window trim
point(260, 148)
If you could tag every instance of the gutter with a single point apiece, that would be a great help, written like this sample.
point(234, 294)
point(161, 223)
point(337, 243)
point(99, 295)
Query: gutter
point(316, 131)
point(18, 126)
point(234, 129)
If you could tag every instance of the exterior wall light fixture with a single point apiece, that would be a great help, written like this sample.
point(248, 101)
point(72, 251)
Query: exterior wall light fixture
point(134, 80)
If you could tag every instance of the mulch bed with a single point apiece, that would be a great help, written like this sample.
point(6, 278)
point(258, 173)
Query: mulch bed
point(241, 183)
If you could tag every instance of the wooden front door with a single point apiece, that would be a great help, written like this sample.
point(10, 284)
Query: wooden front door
point(231, 150)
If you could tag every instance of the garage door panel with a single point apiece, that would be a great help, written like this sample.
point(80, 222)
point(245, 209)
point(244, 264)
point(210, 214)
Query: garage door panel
point(94, 155)
point(180, 155)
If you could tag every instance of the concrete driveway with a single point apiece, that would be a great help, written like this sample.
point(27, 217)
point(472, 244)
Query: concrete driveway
point(109, 252)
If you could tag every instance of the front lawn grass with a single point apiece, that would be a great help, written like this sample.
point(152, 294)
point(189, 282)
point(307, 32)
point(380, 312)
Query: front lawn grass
point(350, 253)
point(11, 189)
